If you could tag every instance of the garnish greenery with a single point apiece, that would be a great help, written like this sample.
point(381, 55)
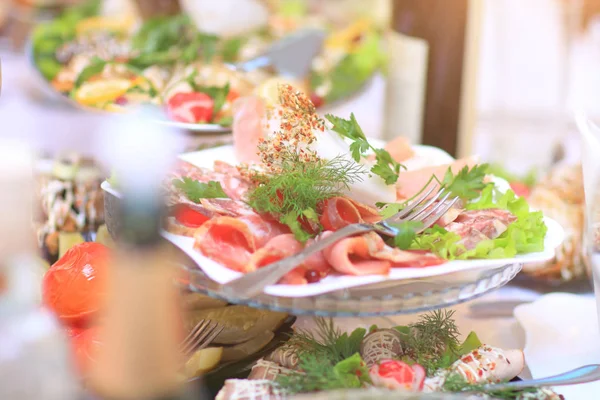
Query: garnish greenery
point(95, 67)
point(466, 185)
point(195, 190)
point(456, 383)
point(299, 187)
point(407, 232)
point(525, 235)
point(432, 341)
point(385, 166)
point(328, 359)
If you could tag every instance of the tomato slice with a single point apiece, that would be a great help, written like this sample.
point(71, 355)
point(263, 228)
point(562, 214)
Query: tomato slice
point(191, 108)
point(520, 189)
point(189, 217)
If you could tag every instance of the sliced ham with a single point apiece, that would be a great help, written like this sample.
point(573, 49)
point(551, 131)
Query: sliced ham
point(400, 149)
point(411, 182)
point(283, 246)
point(353, 256)
point(248, 113)
point(475, 226)
point(407, 259)
point(339, 212)
point(232, 241)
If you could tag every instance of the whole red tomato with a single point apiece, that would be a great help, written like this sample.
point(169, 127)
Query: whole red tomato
point(191, 108)
point(75, 286)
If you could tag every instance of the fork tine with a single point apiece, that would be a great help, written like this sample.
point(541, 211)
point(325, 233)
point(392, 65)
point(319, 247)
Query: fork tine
point(192, 339)
point(423, 211)
point(192, 332)
point(440, 210)
point(409, 208)
point(423, 214)
point(201, 339)
point(218, 329)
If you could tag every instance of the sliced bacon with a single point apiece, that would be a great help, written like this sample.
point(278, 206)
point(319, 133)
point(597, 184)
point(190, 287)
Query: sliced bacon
point(353, 256)
point(339, 212)
point(411, 182)
point(232, 181)
point(475, 226)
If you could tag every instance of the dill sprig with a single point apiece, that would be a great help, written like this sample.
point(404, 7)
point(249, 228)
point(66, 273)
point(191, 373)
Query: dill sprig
point(299, 186)
point(327, 341)
point(433, 340)
point(456, 383)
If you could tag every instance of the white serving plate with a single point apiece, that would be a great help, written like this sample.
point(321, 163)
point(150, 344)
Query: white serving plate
point(424, 155)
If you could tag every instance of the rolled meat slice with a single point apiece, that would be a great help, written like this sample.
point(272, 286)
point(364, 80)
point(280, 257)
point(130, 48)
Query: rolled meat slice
point(400, 149)
point(353, 256)
point(232, 241)
point(339, 212)
point(407, 258)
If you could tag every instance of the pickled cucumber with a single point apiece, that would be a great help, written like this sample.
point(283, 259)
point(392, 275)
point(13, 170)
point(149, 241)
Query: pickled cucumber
point(66, 240)
point(246, 349)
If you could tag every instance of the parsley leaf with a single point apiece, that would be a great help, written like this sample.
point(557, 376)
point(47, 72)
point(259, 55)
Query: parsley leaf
point(468, 183)
point(407, 233)
point(195, 190)
point(96, 67)
point(231, 48)
point(385, 167)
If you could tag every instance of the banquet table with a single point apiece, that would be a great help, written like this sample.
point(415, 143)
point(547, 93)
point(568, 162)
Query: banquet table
point(25, 112)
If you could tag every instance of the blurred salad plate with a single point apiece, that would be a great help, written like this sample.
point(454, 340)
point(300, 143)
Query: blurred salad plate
point(110, 64)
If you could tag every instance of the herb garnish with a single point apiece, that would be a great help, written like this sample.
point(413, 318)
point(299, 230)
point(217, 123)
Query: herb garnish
point(385, 166)
point(433, 340)
point(328, 359)
point(95, 67)
point(468, 183)
point(195, 190)
point(407, 232)
point(299, 187)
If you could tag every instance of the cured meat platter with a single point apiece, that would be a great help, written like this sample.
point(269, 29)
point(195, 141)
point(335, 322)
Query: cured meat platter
point(403, 290)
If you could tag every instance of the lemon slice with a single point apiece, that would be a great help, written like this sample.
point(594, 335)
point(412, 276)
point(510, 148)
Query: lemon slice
point(269, 89)
point(203, 361)
point(104, 24)
point(345, 37)
point(102, 91)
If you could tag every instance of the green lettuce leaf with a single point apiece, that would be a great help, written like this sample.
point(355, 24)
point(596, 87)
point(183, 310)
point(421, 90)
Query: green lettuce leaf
point(525, 235)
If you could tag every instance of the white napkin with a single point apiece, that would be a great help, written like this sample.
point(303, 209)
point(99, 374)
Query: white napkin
point(561, 334)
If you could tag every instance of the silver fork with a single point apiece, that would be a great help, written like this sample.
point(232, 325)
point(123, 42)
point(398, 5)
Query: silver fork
point(201, 335)
point(421, 209)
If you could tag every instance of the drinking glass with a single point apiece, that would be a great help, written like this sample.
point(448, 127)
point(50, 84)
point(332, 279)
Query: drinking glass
point(590, 153)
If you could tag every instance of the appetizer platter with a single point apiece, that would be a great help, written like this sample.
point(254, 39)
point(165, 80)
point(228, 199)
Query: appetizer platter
point(425, 357)
point(114, 63)
point(293, 177)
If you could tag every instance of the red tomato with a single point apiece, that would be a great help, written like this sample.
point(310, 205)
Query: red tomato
point(317, 100)
point(192, 108)
point(74, 331)
point(520, 189)
point(189, 217)
point(394, 374)
point(75, 286)
point(85, 348)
